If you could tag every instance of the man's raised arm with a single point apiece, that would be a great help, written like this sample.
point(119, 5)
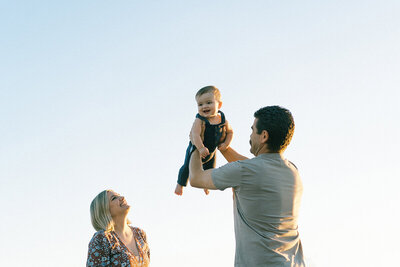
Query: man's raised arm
point(231, 155)
point(197, 176)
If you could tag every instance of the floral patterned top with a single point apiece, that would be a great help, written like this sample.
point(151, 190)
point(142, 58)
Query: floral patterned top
point(106, 249)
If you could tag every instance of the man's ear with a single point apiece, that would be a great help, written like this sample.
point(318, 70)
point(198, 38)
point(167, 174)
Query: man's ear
point(219, 104)
point(264, 136)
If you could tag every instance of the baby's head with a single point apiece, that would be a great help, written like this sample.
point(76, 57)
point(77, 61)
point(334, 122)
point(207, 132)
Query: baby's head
point(208, 101)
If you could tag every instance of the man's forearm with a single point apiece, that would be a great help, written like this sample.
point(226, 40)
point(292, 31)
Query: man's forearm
point(231, 155)
point(197, 176)
point(195, 166)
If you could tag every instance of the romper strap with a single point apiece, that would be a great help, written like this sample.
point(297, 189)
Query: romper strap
point(202, 118)
point(222, 117)
point(207, 122)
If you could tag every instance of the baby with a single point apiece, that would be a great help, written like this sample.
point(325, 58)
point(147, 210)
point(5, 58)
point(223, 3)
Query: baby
point(209, 131)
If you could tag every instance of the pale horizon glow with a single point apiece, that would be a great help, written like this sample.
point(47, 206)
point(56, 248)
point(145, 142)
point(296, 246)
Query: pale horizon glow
point(99, 95)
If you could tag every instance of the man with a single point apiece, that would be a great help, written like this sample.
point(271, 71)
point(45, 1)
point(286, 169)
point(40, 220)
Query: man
point(267, 193)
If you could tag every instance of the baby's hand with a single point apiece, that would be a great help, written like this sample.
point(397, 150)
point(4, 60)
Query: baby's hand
point(222, 147)
point(204, 152)
point(178, 189)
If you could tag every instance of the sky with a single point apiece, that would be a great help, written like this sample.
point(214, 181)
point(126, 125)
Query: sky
point(99, 95)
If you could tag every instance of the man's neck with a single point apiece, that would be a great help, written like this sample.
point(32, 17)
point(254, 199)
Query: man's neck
point(263, 149)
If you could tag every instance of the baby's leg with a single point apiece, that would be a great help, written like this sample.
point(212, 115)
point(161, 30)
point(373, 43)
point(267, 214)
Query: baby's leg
point(183, 174)
point(178, 189)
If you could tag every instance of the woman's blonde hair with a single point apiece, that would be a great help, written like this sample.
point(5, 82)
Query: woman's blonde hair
point(100, 213)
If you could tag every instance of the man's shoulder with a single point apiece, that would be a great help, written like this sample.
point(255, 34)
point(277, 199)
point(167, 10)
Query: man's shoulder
point(265, 161)
point(236, 168)
point(230, 165)
point(291, 163)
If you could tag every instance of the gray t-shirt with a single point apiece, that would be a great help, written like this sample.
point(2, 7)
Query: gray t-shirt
point(268, 191)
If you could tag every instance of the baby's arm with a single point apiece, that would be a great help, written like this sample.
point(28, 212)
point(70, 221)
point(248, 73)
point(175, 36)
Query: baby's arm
point(195, 138)
point(228, 139)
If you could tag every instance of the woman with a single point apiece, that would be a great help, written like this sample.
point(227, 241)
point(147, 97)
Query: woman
point(115, 243)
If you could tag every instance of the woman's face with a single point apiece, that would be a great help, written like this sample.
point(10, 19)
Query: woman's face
point(117, 203)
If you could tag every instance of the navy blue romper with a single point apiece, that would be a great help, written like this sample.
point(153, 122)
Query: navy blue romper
point(212, 136)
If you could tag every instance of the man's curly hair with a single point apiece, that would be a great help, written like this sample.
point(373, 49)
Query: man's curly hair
point(279, 124)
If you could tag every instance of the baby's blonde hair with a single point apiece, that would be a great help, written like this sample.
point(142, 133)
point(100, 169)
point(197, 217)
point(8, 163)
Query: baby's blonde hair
point(209, 89)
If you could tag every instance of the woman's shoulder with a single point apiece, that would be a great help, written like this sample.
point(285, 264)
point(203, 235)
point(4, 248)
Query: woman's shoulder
point(139, 231)
point(101, 236)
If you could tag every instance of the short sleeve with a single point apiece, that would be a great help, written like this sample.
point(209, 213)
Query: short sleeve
point(143, 234)
point(229, 175)
point(99, 250)
point(144, 237)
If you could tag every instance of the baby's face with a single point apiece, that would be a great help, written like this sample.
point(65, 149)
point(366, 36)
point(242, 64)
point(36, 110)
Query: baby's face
point(207, 105)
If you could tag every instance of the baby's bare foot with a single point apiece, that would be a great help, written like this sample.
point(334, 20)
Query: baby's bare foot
point(179, 190)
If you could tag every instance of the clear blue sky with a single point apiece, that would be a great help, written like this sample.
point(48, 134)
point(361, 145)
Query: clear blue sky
point(100, 94)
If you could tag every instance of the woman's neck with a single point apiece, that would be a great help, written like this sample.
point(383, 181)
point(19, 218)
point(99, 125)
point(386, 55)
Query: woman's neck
point(121, 225)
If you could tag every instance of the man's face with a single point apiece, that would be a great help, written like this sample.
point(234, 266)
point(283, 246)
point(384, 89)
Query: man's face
point(255, 140)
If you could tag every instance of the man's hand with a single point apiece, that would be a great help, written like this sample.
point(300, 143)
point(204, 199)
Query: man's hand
point(198, 177)
point(222, 147)
point(231, 155)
